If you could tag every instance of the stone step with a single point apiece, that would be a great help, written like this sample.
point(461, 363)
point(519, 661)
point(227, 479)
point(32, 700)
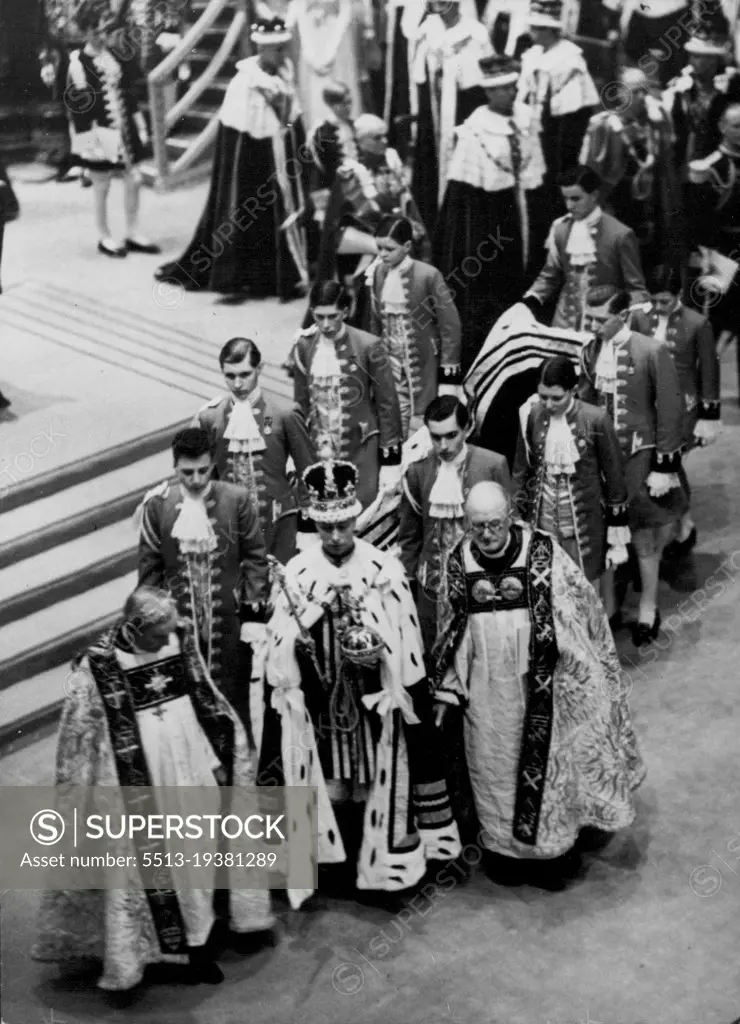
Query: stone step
point(164, 347)
point(55, 634)
point(99, 555)
point(62, 516)
point(127, 353)
point(32, 707)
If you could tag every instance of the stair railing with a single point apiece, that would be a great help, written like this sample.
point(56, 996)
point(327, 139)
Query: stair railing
point(162, 119)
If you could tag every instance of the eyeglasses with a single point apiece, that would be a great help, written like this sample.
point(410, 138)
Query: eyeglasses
point(490, 526)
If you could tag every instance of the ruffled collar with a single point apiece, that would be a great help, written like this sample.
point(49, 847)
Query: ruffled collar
point(192, 528)
point(561, 450)
point(242, 431)
point(581, 244)
point(606, 363)
point(446, 499)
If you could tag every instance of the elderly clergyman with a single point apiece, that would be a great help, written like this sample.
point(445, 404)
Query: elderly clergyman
point(142, 710)
point(366, 188)
point(527, 657)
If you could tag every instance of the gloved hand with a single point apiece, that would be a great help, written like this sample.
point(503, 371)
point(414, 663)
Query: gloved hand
point(617, 539)
point(254, 633)
point(659, 484)
point(311, 612)
point(706, 432)
point(389, 478)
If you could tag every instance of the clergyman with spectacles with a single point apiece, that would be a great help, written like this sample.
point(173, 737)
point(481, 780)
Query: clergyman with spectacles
point(526, 655)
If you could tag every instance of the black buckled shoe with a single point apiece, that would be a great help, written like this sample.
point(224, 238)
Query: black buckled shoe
point(148, 248)
point(643, 634)
point(116, 252)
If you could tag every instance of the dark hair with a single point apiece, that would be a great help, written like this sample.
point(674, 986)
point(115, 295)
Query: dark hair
point(558, 372)
point(237, 349)
point(398, 229)
point(329, 293)
point(608, 295)
point(665, 278)
point(90, 12)
point(334, 92)
point(588, 180)
point(444, 406)
point(191, 443)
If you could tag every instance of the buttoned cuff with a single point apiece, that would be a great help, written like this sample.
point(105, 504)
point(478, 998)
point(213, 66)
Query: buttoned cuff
point(450, 373)
point(390, 456)
point(709, 410)
point(616, 515)
point(666, 462)
point(255, 611)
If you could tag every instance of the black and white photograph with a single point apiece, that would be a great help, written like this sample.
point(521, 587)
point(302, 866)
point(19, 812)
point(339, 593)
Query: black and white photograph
point(369, 517)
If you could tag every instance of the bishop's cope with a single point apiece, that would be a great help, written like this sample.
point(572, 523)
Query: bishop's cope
point(527, 657)
point(348, 700)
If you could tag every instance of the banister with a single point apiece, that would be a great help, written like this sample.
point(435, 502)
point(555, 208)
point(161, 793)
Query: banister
point(163, 120)
point(188, 41)
point(206, 78)
point(196, 148)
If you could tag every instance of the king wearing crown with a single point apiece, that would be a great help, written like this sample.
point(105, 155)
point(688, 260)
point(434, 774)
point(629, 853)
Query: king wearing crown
point(348, 697)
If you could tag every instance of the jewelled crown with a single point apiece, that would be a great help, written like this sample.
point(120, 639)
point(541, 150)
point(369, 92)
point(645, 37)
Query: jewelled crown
point(332, 490)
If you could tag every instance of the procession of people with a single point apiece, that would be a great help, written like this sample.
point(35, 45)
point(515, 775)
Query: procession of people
point(506, 344)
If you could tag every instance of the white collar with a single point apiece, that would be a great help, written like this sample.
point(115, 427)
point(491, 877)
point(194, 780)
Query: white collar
point(192, 529)
point(446, 498)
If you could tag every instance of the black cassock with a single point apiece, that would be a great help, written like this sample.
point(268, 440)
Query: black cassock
point(479, 247)
point(425, 181)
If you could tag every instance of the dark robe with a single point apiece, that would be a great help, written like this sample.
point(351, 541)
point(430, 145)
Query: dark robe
point(425, 181)
point(242, 242)
point(396, 99)
point(483, 246)
point(666, 35)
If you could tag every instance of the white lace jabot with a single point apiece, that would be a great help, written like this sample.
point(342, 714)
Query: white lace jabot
point(446, 498)
point(561, 450)
point(580, 245)
point(192, 528)
point(325, 363)
point(242, 431)
point(606, 363)
point(394, 296)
